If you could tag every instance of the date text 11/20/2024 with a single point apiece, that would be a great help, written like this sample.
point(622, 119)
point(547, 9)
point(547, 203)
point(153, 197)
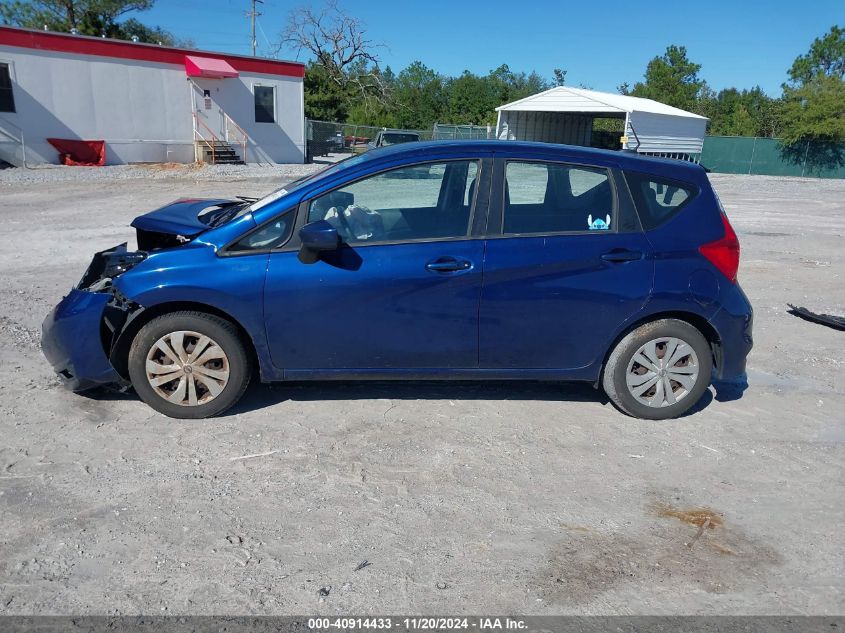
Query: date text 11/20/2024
point(417, 623)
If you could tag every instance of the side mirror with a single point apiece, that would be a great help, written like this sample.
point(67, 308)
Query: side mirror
point(317, 237)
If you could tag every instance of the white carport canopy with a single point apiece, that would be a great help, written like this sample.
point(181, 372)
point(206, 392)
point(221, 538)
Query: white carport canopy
point(565, 115)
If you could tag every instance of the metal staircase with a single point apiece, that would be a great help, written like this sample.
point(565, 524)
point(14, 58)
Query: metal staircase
point(218, 152)
point(210, 148)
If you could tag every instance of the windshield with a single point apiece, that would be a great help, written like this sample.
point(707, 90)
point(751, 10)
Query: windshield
point(299, 182)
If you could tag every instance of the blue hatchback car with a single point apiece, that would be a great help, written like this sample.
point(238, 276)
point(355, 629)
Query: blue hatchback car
point(445, 260)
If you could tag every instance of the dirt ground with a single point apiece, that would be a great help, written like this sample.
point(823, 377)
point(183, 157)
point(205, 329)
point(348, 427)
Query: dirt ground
point(463, 498)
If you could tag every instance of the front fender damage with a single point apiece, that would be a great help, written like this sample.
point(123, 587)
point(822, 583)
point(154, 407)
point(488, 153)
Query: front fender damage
point(84, 336)
point(119, 312)
point(75, 343)
point(119, 315)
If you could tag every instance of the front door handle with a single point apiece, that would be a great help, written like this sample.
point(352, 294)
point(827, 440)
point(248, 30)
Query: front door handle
point(622, 255)
point(448, 265)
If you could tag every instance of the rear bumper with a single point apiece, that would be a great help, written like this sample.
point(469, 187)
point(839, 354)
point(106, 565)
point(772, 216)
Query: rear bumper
point(734, 322)
point(70, 340)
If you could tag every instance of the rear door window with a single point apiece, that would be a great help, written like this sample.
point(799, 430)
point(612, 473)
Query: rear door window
point(657, 198)
point(557, 198)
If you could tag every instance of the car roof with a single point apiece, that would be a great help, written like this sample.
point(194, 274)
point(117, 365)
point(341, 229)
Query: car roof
point(626, 160)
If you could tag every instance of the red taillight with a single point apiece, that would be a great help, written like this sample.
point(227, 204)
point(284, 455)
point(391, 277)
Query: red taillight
point(724, 252)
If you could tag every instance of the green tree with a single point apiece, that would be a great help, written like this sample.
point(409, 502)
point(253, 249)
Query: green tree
point(419, 97)
point(88, 17)
point(815, 111)
point(814, 97)
point(511, 86)
point(368, 110)
point(370, 93)
point(671, 79)
point(472, 100)
point(740, 113)
point(325, 100)
point(559, 77)
point(826, 57)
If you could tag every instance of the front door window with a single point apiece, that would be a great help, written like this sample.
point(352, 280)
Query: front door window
point(414, 203)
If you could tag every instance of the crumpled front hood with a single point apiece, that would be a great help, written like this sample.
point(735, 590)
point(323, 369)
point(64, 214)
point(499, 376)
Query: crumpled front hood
point(180, 217)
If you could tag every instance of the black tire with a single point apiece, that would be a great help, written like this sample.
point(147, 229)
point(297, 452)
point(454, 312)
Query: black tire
point(614, 379)
point(220, 331)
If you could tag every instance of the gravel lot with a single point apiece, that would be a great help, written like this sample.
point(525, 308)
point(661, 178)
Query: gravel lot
point(464, 498)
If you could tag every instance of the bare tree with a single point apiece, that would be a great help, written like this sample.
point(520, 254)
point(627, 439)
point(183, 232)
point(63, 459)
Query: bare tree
point(338, 43)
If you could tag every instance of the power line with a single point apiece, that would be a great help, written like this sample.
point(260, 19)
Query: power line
point(254, 14)
point(266, 39)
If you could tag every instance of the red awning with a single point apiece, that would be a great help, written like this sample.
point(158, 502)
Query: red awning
point(208, 67)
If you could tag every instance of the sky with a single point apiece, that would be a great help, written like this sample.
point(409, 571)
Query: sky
point(739, 43)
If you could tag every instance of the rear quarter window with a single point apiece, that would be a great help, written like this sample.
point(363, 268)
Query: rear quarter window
point(658, 199)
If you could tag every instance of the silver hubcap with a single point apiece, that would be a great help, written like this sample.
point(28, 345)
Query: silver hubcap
point(187, 368)
point(662, 372)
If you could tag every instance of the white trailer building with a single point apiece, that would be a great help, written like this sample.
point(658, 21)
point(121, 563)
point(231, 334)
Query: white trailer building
point(148, 103)
point(566, 115)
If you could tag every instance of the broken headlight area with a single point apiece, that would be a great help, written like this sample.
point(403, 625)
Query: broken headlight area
point(108, 264)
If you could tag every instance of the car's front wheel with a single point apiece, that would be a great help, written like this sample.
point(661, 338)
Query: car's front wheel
point(189, 365)
point(659, 370)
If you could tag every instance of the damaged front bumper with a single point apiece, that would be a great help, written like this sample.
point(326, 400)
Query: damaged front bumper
point(81, 331)
point(72, 343)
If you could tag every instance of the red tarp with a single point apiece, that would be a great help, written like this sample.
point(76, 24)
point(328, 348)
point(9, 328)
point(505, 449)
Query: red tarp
point(85, 153)
point(208, 67)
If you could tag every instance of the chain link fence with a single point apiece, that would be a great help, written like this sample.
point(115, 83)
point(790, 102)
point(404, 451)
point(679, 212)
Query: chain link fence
point(449, 132)
point(329, 139)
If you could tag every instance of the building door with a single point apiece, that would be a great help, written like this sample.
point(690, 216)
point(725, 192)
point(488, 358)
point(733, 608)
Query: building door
point(209, 115)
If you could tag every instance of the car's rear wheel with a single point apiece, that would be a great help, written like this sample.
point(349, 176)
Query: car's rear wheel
point(189, 365)
point(659, 370)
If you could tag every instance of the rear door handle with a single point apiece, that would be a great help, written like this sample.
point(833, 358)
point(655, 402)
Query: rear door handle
point(621, 255)
point(448, 265)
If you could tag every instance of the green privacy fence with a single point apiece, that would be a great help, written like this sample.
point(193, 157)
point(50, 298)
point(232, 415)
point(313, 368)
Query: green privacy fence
point(769, 156)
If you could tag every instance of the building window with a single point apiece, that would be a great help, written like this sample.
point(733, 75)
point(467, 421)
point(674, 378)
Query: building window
point(265, 104)
point(7, 100)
